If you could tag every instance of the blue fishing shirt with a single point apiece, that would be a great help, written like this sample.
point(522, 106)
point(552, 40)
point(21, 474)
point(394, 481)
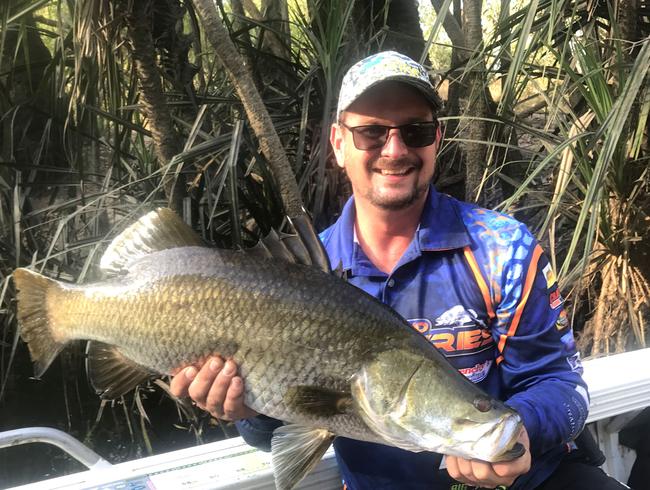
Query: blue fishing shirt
point(477, 285)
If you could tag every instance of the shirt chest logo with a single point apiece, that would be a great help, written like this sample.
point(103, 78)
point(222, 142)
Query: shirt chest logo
point(457, 332)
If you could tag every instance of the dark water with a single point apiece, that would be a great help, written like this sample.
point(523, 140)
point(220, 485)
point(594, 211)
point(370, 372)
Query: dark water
point(64, 400)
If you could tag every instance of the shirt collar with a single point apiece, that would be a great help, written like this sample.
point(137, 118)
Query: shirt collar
point(441, 228)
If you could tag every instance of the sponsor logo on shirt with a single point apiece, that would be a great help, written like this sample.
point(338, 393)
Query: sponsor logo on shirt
point(574, 362)
point(478, 372)
point(562, 321)
point(549, 275)
point(555, 299)
point(457, 332)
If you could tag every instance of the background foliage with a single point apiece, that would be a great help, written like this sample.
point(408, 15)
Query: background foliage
point(109, 108)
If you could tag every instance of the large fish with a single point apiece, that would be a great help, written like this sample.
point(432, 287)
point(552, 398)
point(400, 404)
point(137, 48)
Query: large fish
point(314, 351)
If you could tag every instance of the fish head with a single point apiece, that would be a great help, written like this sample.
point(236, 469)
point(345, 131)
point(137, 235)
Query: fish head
point(422, 403)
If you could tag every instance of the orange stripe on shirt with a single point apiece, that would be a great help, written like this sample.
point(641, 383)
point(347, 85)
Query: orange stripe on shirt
point(528, 285)
point(482, 285)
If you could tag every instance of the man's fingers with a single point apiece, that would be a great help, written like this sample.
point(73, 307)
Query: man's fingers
point(485, 476)
point(454, 470)
point(200, 388)
point(472, 472)
point(233, 405)
point(216, 395)
point(215, 388)
point(181, 382)
point(466, 470)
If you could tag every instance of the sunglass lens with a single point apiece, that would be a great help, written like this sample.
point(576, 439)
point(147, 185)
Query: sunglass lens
point(369, 137)
point(418, 135)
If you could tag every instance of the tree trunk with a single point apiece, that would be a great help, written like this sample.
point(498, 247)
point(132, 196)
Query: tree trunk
point(257, 114)
point(399, 20)
point(166, 142)
point(452, 23)
point(404, 34)
point(263, 128)
point(277, 40)
point(476, 131)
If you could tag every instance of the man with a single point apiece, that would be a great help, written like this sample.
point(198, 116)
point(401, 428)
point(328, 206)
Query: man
point(473, 281)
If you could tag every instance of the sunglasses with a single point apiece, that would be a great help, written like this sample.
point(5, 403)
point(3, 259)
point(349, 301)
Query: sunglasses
point(373, 136)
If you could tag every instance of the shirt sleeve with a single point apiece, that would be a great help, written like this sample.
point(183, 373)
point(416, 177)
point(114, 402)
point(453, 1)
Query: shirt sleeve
point(538, 362)
point(258, 431)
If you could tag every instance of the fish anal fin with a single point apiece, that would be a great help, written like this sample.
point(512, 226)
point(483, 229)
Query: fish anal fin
point(157, 230)
point(295, 451)
point(317, 401)
point(111, 373)
point(34, 323)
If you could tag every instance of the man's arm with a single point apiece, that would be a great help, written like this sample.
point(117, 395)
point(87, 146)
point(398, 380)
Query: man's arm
point(538, 362)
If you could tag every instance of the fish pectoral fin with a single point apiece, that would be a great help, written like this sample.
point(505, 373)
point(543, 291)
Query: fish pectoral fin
point(318, 401)
point(295, 451)
point(111, 373)
point(157, 230)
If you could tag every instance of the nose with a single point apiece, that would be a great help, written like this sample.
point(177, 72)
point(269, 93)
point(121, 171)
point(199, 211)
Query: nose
point(394, 146)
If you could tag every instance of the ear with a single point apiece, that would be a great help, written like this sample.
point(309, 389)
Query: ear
point(438, 142)
point(338, 143)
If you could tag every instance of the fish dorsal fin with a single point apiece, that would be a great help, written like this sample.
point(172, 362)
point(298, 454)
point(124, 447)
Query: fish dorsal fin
point(157, 230)
point(295, 451)
point(310, 242)
point(112, 374)
point(317, 401)
point(299, 246)
point(283, 246)
point(275, 245)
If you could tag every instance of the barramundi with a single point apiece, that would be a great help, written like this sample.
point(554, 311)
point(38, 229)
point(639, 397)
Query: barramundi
point(314, 351)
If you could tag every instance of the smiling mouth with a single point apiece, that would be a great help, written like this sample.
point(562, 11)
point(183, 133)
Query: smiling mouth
point(395, 171)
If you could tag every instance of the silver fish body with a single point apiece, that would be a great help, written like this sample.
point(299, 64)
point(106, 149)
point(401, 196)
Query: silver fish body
point(314, 351)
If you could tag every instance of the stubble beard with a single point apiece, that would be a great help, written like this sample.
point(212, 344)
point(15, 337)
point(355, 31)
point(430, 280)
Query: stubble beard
point(397, 203)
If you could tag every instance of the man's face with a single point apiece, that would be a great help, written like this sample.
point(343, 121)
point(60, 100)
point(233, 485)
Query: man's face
point(395, 175)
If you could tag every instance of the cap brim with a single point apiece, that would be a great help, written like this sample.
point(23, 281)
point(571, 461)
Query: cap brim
point(428, 92)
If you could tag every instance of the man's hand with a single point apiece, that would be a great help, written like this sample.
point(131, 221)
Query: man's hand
point(215, 388)
point(490, 475)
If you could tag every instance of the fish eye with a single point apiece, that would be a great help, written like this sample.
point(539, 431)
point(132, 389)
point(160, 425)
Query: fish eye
point(482, 404)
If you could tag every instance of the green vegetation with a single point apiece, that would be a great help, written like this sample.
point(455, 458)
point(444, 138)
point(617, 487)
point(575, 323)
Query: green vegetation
point(110, 108)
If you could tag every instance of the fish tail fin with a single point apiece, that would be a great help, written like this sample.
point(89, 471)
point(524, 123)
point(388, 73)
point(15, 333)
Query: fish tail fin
point(34, 323)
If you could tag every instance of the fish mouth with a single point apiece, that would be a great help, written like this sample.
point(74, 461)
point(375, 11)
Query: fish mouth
point(509, 430)
point(516, 451)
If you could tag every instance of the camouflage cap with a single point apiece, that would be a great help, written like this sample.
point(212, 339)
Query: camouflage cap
point(382, 67)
